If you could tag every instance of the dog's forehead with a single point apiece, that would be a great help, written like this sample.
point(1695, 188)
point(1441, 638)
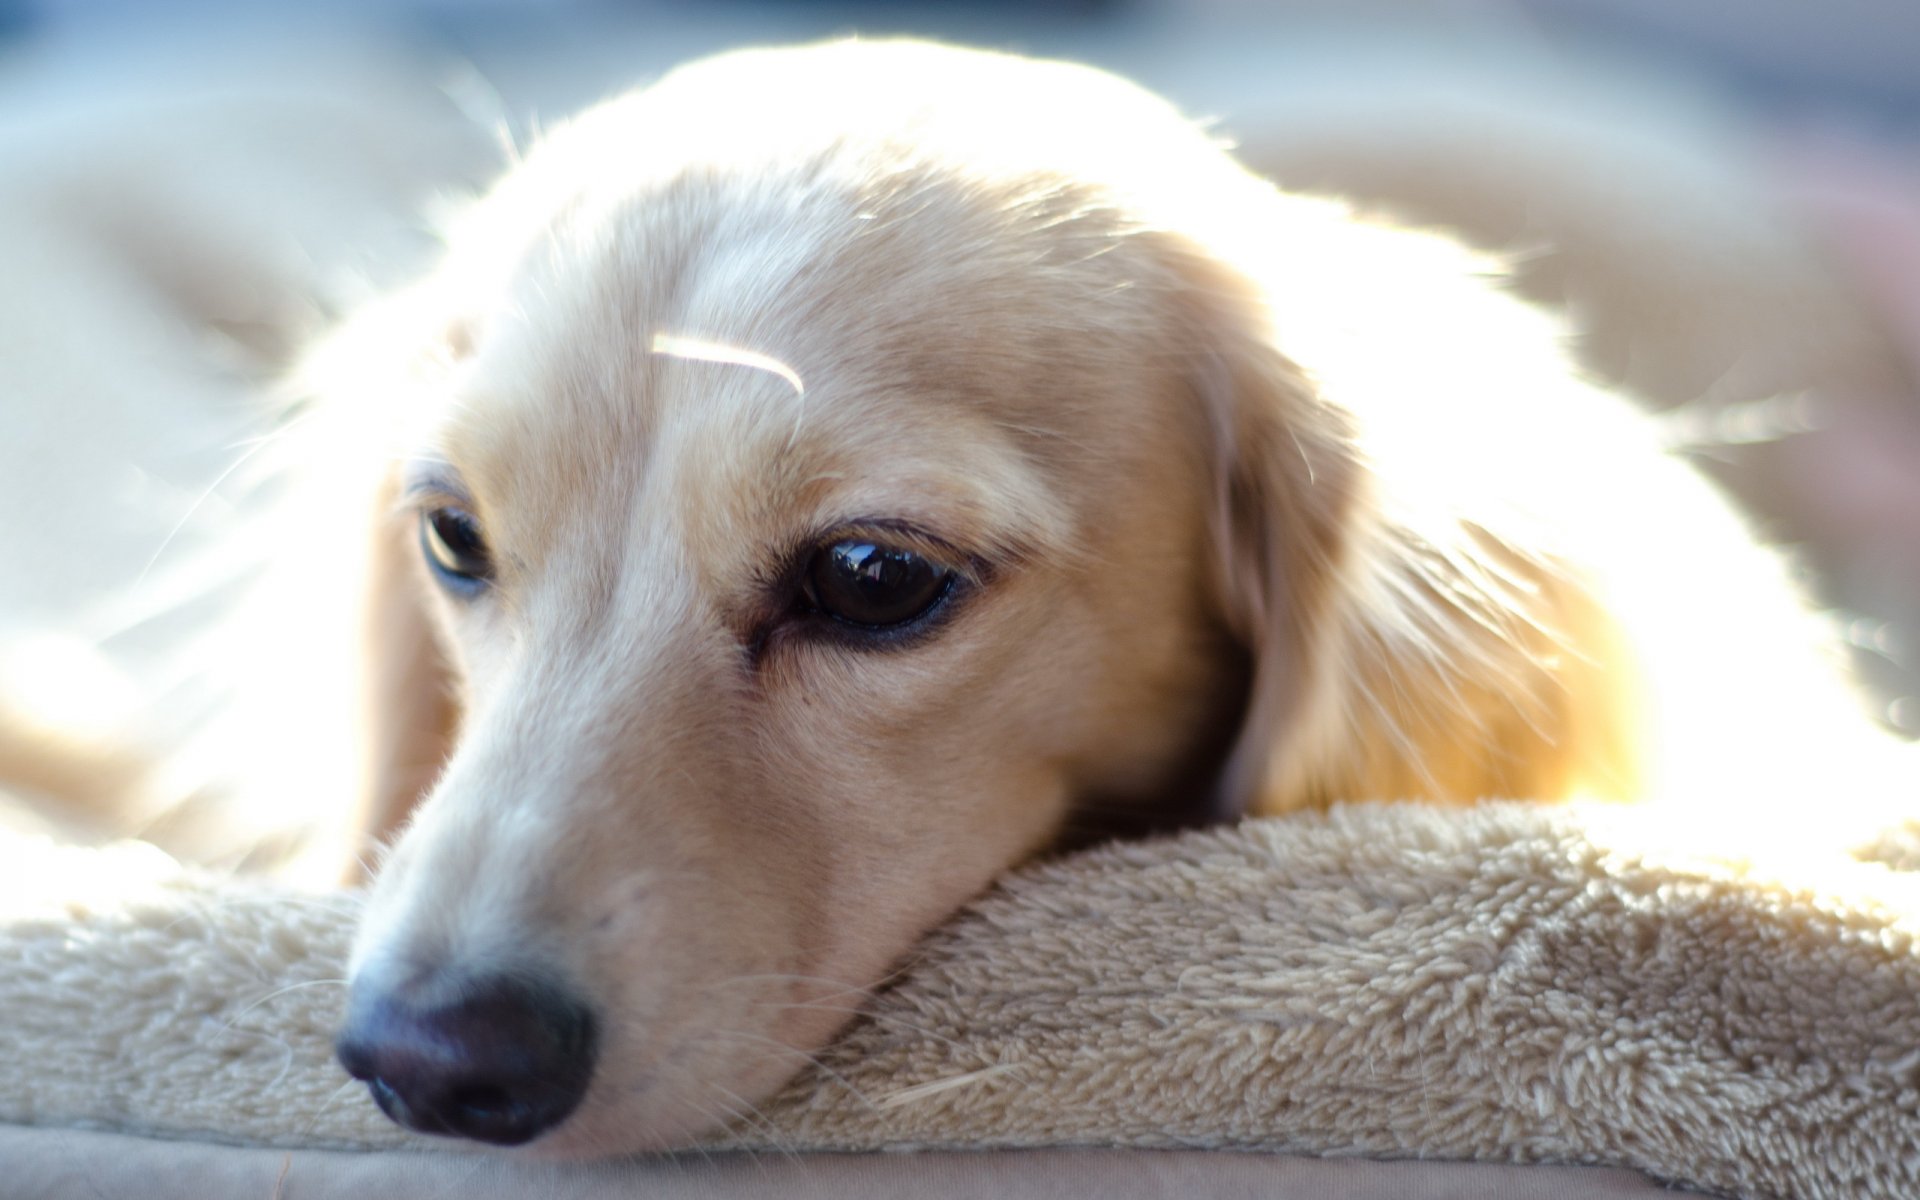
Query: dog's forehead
point(764, 342)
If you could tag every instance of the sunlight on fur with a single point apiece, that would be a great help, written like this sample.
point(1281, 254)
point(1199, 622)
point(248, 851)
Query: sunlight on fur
point(41, 882)
point(67, 684)
point(699, 351)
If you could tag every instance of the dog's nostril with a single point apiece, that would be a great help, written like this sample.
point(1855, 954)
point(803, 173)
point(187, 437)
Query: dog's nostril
point(489, 1108)
point(389, 1101)
point(503, 1064)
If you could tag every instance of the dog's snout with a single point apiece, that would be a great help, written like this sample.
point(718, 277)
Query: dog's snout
point(503, 1062)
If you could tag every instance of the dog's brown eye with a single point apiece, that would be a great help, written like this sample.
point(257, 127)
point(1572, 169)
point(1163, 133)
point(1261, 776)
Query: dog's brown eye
point(875, 586)
point(454, 546)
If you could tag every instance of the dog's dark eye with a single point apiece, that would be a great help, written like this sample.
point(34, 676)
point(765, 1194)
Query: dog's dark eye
point(452, 542)
point(874, 586)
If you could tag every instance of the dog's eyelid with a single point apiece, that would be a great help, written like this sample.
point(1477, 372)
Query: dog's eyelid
point(423, 480)
point(905, 535)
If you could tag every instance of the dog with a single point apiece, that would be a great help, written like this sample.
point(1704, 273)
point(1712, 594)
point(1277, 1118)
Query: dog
point(832, 476)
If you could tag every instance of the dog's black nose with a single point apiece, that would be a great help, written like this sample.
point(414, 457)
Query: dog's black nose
point(503, 1062)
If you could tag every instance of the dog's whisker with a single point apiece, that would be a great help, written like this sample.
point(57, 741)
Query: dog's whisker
point(737, 1110)
point(710, 1117)
point(839, 987)
point(733, 1114)
point(786, 1050)
point(276, 993)
point(320, 1112)
point(887, 1019)
point(206, 494)
point(734, 1108)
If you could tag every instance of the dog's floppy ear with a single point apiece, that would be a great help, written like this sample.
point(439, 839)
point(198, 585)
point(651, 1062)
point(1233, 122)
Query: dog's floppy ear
point(407, 690)
point(1443, 663)
point(1286, 487)
point(366, 383)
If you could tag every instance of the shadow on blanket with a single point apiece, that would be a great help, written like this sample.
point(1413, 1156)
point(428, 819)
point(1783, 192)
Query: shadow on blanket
point(1504, 984)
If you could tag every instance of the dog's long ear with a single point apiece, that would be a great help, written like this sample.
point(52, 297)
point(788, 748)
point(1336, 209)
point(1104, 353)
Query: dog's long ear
point(1444, 662)
point(367, 381)
point(408, 714)
point(1286, 488)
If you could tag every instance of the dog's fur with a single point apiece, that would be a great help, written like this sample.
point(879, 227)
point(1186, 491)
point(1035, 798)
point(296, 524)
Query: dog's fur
point(1261, 508)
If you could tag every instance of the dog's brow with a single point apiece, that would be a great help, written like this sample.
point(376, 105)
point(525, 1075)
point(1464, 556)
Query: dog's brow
point(675, 346)
point(432, 477)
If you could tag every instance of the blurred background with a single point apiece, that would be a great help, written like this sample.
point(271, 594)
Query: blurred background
point(1723, 196)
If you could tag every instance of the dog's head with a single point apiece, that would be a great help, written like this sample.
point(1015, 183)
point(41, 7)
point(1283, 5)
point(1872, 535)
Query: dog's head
point(836, 475)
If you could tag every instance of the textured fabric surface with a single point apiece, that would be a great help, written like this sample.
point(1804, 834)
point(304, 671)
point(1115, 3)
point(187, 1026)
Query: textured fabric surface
point(44, 1165)
point(1506, 984)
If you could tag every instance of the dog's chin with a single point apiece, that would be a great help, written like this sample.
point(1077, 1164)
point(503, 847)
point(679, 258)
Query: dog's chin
point(676, 1101)
point(624, 1126)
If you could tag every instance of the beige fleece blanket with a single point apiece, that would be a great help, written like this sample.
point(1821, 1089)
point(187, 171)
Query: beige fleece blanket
point(1509, 984)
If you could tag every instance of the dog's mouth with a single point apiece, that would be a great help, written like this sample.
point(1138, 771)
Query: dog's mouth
point(503, 1062)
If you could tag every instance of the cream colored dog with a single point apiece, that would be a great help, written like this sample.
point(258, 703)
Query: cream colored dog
point(831, 476)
